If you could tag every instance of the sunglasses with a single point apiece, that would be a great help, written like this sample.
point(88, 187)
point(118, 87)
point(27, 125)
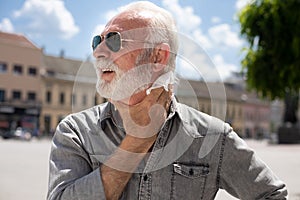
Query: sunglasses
point(112, 40)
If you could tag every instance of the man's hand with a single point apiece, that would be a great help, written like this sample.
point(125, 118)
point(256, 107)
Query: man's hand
point(143, 120)
point(142, 123)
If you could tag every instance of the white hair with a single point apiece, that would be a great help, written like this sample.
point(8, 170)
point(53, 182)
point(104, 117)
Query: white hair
point(162, 28)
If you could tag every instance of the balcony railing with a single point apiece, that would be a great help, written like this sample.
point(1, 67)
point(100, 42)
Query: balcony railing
point(21, 103)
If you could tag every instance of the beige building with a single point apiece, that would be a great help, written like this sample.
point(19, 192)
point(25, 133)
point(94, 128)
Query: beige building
point(67, 86)
point(247, 114)
point(20, 83)
point(37, 90)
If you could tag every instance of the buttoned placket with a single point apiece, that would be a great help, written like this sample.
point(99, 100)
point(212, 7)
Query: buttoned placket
point(146, 178)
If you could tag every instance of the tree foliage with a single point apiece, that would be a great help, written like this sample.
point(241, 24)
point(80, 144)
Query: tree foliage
point(272, 60)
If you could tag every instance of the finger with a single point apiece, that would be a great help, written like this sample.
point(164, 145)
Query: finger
point(158, 110)
point(150, 99)
point(164, 98)
point(155, 93)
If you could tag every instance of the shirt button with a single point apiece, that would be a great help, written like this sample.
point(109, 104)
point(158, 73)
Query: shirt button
point(145, 177)
point(191, 172)
point(161, 141)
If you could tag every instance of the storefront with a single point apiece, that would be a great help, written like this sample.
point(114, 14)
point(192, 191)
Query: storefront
point(12, 117)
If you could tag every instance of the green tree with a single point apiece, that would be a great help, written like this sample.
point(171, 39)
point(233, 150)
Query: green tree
point(272, 59)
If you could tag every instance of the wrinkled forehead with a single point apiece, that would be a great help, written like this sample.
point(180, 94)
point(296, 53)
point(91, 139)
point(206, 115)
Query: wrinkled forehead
point(129, 24)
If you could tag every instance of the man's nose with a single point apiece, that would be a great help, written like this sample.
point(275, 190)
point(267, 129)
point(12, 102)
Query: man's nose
point(101, 51)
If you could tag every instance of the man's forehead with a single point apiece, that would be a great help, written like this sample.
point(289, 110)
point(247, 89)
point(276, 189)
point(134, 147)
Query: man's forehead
point(127, 22)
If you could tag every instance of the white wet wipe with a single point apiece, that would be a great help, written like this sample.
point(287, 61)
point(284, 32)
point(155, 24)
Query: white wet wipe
point(163, 81)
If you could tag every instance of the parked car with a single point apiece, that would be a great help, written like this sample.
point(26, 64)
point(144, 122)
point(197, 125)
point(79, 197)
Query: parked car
point(20, 133)
point(7, 134)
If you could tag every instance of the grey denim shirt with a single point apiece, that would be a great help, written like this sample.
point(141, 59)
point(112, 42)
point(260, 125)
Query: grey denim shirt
point(193, 157)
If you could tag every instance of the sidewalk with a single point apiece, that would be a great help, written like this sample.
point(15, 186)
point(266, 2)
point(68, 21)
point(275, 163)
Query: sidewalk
point(24, 168)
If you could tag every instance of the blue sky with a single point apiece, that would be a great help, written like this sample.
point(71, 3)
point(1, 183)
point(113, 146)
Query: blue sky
point(70, 25)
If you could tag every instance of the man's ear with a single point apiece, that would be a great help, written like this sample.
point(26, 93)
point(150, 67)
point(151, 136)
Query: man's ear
point(161, 56)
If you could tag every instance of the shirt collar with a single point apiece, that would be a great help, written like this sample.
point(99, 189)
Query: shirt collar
point(108, 111)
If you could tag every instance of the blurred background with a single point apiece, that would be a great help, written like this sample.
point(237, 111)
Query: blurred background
point(46, 73)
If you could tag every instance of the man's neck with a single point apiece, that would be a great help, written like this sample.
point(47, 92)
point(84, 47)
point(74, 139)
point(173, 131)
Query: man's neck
point(135, 98)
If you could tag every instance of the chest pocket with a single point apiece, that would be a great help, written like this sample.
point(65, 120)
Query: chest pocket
point(188, 181)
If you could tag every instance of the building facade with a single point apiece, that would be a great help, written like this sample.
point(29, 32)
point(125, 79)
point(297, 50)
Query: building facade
point(67, 86)
point(243, 110)
point(37, 90)
point(20, 83)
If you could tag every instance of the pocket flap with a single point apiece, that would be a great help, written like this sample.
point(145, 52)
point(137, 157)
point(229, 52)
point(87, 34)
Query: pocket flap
point(191, 170)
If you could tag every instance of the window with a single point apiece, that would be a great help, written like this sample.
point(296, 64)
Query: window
point(18, 69)
point(48, 97)
point(17, 95)
point(47, 123)
point(50, 73)
point(31, 96)
point(84, 100)
point(62, 98)
point(2, 95)
point(32, 71)
point(3, 68)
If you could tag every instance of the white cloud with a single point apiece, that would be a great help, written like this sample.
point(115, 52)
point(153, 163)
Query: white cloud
point(188, 22)
point(219, 37)
point(6, 25)
point(111, 13)
point(194, 63)
point(47, 17)
point(240, 4)
point(186, 19)
point(202, 39)
point(98, 29)
point(216, 20)
point(223, 36)
point(107, 16)
point(224, 69)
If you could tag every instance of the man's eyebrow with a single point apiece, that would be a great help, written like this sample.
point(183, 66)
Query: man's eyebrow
point(114, 29)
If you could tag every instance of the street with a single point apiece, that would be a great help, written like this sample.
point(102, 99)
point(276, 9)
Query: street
point(24, 167)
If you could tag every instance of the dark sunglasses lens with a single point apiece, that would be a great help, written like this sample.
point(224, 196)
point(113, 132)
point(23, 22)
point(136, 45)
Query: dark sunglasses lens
point(96, 41)
point(113, 41)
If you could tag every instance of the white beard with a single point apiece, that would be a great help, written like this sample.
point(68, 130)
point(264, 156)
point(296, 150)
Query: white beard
point(124, 83)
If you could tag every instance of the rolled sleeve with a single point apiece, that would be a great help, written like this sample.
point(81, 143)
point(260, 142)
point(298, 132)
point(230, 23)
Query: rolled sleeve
point(70, 173)
point(244, 175)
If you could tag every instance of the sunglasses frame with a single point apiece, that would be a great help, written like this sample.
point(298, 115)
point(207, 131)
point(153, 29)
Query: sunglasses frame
point(104, 38)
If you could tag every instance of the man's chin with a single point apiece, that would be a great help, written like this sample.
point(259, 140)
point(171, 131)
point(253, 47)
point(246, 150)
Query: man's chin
point(104, 90)
point(112, 94)
point(119, 92)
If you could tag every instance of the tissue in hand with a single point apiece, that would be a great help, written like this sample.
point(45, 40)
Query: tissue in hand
point(163, 81)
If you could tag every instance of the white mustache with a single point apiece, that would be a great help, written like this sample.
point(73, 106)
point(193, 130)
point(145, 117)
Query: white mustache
point(105, 64)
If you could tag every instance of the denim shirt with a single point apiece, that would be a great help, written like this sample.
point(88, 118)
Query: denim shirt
point(193, 157)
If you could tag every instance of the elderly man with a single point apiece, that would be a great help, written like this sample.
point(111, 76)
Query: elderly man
point(142, 144)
